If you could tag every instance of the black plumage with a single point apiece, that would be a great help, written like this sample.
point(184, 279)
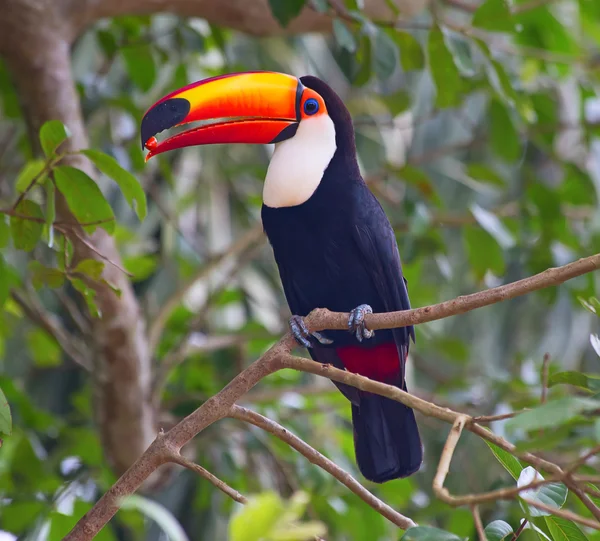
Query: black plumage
point(337, 251)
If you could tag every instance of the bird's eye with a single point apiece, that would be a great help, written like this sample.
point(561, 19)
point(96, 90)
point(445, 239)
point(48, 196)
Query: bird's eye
point(311, 106)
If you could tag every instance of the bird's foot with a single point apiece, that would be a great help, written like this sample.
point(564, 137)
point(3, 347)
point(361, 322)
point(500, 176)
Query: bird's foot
point(356, 322)
point(302, 335)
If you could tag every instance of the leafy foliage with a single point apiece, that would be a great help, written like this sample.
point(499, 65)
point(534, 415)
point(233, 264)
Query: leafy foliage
point(479, 139)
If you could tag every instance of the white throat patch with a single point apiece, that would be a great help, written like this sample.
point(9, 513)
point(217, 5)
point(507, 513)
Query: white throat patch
point(298, 164)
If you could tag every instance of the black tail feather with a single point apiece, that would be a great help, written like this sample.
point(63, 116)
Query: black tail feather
point(386, 438)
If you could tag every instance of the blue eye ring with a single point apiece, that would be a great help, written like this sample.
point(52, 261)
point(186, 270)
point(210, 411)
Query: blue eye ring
point(311, 106)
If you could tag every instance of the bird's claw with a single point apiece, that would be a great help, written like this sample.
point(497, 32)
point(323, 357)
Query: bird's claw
point(356, 322)
point(302, 335)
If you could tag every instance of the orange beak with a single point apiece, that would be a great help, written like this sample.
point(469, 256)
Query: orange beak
point(250, 107)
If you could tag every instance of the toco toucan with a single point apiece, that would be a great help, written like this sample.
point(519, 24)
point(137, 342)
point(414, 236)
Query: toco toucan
point(333, 243)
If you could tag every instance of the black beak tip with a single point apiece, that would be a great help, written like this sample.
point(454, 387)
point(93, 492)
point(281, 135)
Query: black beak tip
point(163, 116)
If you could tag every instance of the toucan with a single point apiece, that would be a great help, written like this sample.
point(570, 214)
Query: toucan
point(332, 241)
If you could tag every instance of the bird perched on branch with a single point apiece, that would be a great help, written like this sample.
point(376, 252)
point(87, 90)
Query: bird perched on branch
point(332, 241)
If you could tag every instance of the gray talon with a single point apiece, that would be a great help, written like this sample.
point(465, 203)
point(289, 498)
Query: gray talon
point(299, 331)
point(322, 338)
point(356, 322)
point(302, 335)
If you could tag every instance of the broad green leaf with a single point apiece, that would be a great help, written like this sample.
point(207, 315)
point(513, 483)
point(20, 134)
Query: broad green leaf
point(140, 66)
point(4, 231)
point(549, 439)
point(552, 494)
point(494, 15)
point(90, 268)
point(591, 382)
point(30, 171)
point(141, 266)
point(511, 464)
point(504, 137)
point(45, 276)
point(428, 533)
point(43, 348)
point(85, 200)
point(591, 305)
point(484, 252)
point(411, 52)
point(385, 56)
point(397, 103)
point(26, 232)
point(286, 10)
point(343, 36)
point(493, 225)
point(484, 173)
point(5, 416)
point(131, 188)
point(158, 513)
point(4, 281)
point(50, 211)
point(88, 294)
point(362, 67)
point(498, 530)
point(552, 414)
point(564, 530)
point(52, 134)
point(444, 72)
point(18, 516)
point(256, 520)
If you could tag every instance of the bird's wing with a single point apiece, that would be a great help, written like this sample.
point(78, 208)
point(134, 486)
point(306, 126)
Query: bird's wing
point(376, 242)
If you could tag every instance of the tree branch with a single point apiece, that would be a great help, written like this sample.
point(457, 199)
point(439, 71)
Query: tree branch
point(248, 416)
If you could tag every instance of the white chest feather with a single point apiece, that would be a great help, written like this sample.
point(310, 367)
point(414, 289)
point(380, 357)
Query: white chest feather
point(298, 164)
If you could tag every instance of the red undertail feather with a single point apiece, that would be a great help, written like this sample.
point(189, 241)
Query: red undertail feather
point(380, 363)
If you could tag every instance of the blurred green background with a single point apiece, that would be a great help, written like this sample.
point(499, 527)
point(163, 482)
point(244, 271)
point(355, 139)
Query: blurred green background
point(476, 128)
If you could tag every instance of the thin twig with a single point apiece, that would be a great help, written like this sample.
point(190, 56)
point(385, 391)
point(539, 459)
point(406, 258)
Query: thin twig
point(446, 456)
point(478, 523)
point(520, 530)
point(203, 472)
point(545, 369)
point(582, 460)
point(486, 419)
point(243, 414)
point(564, 513)
point(48, 322)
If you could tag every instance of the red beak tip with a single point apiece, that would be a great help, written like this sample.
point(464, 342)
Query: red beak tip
point(151, 144)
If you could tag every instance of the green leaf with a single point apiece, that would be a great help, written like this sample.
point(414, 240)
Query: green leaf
point(43, 348)
point(140, 66)
point(28, 173)
point(444, 72)
point(591, 305)
point(257, 518)
point(564, 530)
point(493, 225)
point(158, 513)
point(428, 533)
point(494, 15)
point(511, 464)
point(484, 252)
point(61, 525)
point(591, 382)
point(45, 276)
point(4, 231)
point(384, 56)
point(141, 266)
point(52, 134)
point(286, 10)
point(131, 188)
point(504, 137)
point(397, 103)
point(411, 53)
point(498, 530)
point(552, 414)
point(26, 233)
point(484, 173)
point(88, 294)
point(343, 36)
point(552, 494)
point(5, 416)
point(85, 200)
point(90, 268)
